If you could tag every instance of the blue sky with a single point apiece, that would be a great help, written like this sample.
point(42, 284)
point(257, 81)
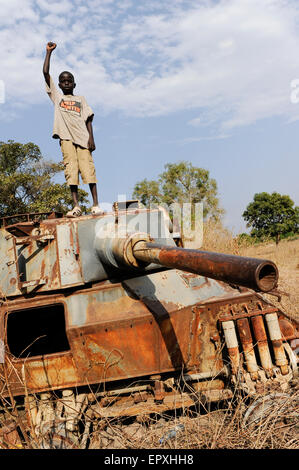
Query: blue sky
point(204, 81)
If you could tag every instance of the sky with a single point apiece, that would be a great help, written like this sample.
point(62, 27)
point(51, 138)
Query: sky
point(215, 83)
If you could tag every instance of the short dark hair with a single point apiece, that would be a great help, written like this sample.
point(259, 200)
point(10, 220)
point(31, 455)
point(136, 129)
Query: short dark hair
point(66, 71)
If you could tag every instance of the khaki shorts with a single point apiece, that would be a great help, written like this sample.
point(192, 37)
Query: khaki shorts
point(77, 160)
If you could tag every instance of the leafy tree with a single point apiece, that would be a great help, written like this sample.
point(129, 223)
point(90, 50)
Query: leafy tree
point(26, 181)
point(272, 215)
point(181, 182)
point(148, 192)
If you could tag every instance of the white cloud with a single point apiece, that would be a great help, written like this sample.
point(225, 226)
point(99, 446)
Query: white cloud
point(15, 10)
point(231, 61)
point(55, 8)
point(195, 122)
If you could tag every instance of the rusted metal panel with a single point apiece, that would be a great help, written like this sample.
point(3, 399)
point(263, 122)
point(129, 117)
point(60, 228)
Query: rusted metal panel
point(108, 352)
point(169, 287)
point(40, 373)
point(262, 342)
point(232, 344)
point(97, 235)
point(104, 329)
point(36, 263)
point(120, 407)
point(113, 324)
point(8, 266)
point(28, 218)
point(68, 255)
point(247, 345)
point(276, 338)
point(102, 304)
point(155, 325)
point(104, 324)
point(288, 330)
point(174, 341)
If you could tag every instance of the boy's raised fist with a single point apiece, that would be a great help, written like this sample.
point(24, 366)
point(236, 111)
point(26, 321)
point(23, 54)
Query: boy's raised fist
point(51, 46)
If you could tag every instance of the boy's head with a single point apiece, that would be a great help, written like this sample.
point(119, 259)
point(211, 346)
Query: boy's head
point(67, 82)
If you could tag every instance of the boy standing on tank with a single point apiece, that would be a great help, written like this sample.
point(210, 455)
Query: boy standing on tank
point(73, 127)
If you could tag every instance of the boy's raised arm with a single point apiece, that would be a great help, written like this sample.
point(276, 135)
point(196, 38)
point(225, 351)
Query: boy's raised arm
point(46, 68)
point(91, 145)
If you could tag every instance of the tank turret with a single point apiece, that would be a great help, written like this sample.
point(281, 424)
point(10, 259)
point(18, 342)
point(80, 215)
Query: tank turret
point(57, 253)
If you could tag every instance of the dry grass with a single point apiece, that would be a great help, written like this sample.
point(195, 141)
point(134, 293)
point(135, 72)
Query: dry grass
point(210, 429)
point(285, 255)
point(219, 239)
point(213, 427)
point(224, 429)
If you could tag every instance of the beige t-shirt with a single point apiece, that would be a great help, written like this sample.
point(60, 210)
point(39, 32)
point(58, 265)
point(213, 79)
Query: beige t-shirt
point(70, 115)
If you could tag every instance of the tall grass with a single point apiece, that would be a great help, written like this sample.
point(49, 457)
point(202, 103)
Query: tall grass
point(285, 255)
point(221, 240)
point(214, 426)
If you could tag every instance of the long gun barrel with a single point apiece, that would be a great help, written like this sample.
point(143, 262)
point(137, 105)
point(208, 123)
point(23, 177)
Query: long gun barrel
point(257, 274)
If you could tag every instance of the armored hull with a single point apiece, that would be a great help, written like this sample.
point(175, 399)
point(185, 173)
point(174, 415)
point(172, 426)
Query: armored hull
point(96, 321)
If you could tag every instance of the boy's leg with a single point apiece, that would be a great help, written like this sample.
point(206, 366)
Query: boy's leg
point(95, 210)
point(74, 192)
point(71, 171)
point(94, 193)
point(88, 173)
point(70, 161)
point(76, 211)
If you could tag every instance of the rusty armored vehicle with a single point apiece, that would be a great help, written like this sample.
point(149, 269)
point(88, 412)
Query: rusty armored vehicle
point(102, 318)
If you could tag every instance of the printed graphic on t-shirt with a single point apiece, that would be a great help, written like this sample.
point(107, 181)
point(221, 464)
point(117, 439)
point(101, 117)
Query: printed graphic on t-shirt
point(74, 106)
